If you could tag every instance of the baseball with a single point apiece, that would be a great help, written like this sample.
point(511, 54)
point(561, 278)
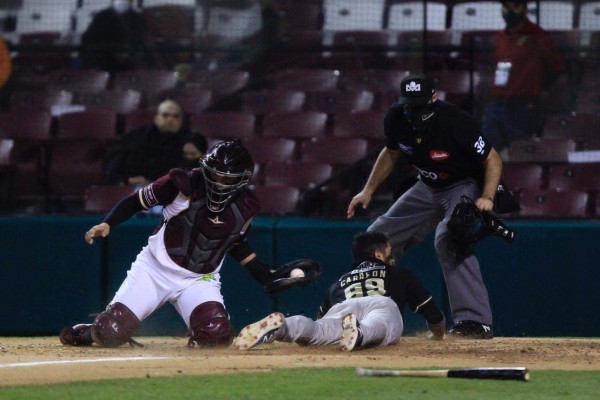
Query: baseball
point(296, 273)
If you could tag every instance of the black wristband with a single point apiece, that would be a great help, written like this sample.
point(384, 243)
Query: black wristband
point(259, 271)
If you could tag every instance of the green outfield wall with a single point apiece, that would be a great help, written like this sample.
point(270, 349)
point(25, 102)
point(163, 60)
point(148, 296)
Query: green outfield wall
point(545, 284)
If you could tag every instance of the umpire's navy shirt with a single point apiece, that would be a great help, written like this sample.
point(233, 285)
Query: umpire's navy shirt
point(452, 149)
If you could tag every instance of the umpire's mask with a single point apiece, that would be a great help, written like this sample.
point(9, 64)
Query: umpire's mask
point(420, 117)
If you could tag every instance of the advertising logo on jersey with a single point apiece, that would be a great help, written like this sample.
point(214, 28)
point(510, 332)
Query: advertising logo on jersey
point(406, 149)
point(439, 155)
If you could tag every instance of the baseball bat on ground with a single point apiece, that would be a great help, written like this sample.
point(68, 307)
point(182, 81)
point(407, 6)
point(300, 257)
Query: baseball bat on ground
point(513, 374)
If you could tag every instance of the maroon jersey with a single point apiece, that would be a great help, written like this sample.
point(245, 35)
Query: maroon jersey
point(195, 238)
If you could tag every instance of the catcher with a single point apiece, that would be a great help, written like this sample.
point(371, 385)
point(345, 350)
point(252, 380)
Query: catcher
point(206, 214)
point(361, 309)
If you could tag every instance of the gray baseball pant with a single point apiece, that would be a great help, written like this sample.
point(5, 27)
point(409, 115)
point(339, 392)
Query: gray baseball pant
point(410, 220)
point(378, 317)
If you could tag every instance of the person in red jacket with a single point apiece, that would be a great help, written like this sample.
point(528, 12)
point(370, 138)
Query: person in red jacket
point(5, 72)
point(527, 64)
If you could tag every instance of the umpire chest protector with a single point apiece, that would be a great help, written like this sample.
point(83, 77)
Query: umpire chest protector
point(197, 239)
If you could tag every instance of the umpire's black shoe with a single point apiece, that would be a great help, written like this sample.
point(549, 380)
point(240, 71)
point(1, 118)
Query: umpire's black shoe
point(472, 330)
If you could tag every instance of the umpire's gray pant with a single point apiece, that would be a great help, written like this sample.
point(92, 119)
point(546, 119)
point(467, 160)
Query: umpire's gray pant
point(410, 220)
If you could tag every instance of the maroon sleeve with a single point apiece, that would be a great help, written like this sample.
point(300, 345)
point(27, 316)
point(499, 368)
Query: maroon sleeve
point(160, 192)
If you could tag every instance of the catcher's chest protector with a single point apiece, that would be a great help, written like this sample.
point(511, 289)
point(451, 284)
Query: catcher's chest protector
point(197, 239)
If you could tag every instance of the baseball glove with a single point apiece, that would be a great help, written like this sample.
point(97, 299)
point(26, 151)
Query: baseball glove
point(282, 279)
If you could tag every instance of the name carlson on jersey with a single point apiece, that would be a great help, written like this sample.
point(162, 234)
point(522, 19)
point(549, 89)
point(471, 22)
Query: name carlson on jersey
point(362, 274)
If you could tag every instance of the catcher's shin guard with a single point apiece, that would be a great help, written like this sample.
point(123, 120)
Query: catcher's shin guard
point(210, 326)
point(114, 327)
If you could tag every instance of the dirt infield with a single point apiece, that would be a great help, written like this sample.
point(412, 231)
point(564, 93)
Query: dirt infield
point(25, 361)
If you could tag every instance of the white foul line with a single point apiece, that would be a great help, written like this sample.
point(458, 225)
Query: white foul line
point(89, 360)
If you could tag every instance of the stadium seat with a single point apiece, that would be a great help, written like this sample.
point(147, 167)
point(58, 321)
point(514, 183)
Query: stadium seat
point(353, 15)
point(413, 40)
point(270, 149)
point(358, 40)
point(138, 118)
point(333, 150)
point(27, 79)
point(155, 3)
point(191, 100)
point(146, 81)
point(308, 80)
point(574, 177)
point(300, 16)
point(589, 16)
point(374, 80)
point(588, 101)
point(229, 24)
point(553, 15)
point(408, 16)
point(121, 102)
point(41, 100)
point(277, 200)
point(572, 126)
point(554, 204)
point(28, 125)
point(170, 22)
point(519, 176)
point(75, 165)
point(296, 124)
point(45, 17)
point(541, 150)
point(224, 124)
point(261, 102)
point(477, 15)
point(335, 101)
point(300, 174)
point(78, 81)
point(102, 198)
point(460, 86)
point(221, 83)
point(365, 124)
point(98, 125)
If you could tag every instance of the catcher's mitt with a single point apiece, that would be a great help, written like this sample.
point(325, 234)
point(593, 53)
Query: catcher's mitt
point(282, 279)
point(468, 225)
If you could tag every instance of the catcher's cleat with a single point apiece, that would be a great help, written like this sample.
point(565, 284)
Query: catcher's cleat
point(471, 330)
point(352, 336)
point(260, 332)
point(78, 335)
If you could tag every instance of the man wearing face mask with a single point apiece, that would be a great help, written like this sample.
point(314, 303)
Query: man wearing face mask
point(453, 159)
point(116, 39)
point(527, 64)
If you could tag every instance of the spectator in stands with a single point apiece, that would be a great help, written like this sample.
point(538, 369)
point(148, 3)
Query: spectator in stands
point(527, 63)
point(146, 153)
point(5, 71)
point(193, 150)
point(116, 39)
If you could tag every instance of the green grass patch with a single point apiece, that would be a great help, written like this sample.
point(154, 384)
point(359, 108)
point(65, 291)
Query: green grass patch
point(322, 383)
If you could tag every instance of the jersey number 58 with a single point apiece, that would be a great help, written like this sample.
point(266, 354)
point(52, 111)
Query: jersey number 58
point(368, 287)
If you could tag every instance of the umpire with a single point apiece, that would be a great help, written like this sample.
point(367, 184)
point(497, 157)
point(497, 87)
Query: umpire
point(453, 159)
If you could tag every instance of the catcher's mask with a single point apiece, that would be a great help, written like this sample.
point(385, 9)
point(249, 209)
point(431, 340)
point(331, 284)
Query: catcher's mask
point(226, 167)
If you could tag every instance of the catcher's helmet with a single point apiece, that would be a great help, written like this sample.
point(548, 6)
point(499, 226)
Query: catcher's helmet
point(227, 166)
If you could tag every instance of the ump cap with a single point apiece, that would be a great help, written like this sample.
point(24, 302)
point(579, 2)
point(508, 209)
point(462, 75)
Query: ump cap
point(416, 90)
